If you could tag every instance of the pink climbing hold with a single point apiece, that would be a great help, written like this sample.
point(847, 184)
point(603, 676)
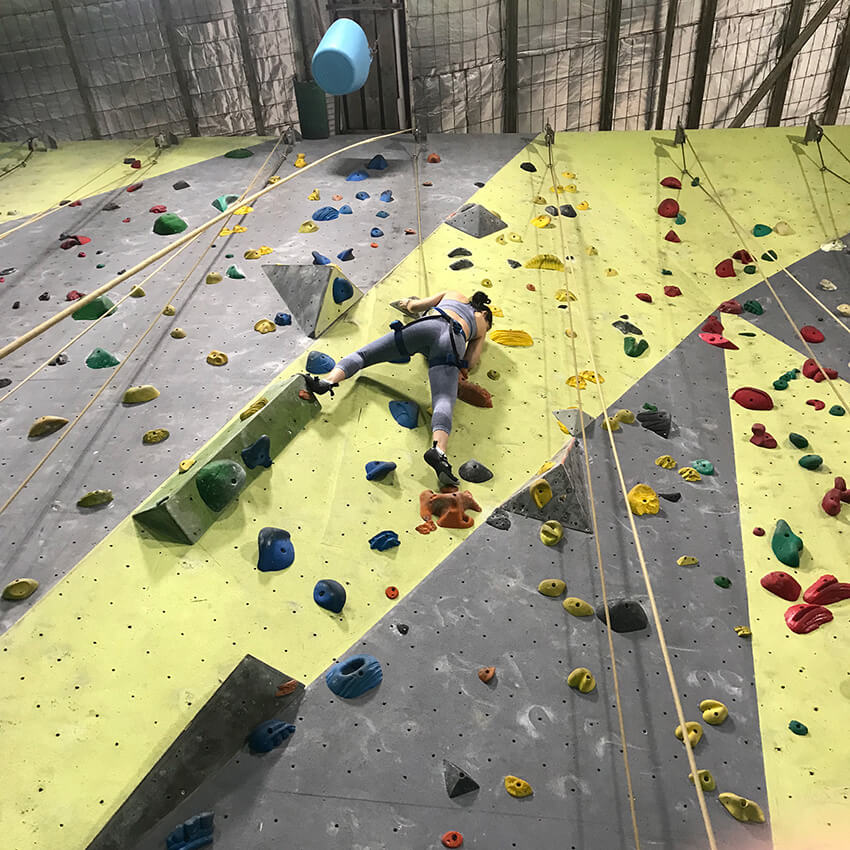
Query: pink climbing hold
point(134, 186)
point(743, 256)
point(803, 619)
point(719, 341)
point(725, 268)
point(672, 291)
point(73, 295)
point(671, 183)
point(158, 209)
point(668, 208)
point(81, 254)
point(644, 296)
point(761, 438)
point(837, 494)
point(712, 325)
point(816, 403)
point(672, 236)
point(731, 306)
point(75, 204)
point(758, 531)
point(753, 399)
point(782, 584)
point(811, 334)
point(813, 371)
point(136, 163)
point(826, 590)
point(125, 220)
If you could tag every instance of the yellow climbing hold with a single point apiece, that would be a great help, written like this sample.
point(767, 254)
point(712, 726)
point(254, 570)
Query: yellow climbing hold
point(582, 205)
point(300, 160)
point(238, 228)
point(265, 326)
point(217, 358)
point(571, 187)
point(497, 312)
point(540, 200)
point(501, 239)
point(540, 492)
point(256, 253)
point(251, 409)
point(564, 295)
point(308, 227)
point(157, 435)
point(545, 467)
point(314, 196)
point(138, 395)
point(551, 532)
point(610, 272)
point(643, 500)
point(568, 174)
point(274, 179)
point(690, 474)
point(94, 498)
point(557, 189)
point(545, 261)
point(591, 376)
point(625, 416)
point(713, 711)
point(169, 310)
point(743, 631)
point(243, 210)
point(576, 381)
point(687, 561)
point(137, 292)
point(514, 338)
point(214, 277)
point(694, 731)
point(706, 780)
point(541, 220)
point(665, 462)
point(186, 465)
point(225, 231)
point(578, 607)
point(582, 680)
point(569, 332)
point(486, 283)
point(178, 333)
point(515, 237)
point(20, 588)
point(610, 424)
point(741, 808)
point(552, 587)
point(517, 787)
point(591, 251)
point(46, 425)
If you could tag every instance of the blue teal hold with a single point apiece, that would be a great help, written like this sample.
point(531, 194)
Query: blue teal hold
point(257, 454)
point(341, 290)
point(376, 470)
point(276, 550)
point(362, 196)
point(325, 214)
point(329, 594)
point(193, 833)
point(382, 214)
point(355, 176)
point(269, 735)
point(283, 319)
point(384, 540)
point(345, 210)
point(376, 232)
point(377, 163)
point(346, 254)
point(320, 259)
point(387, 196)
point(703, 467)
point(355, 676)
point(406, 413)
point(319, 363)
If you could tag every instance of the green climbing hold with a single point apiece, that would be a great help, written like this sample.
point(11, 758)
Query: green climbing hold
point(749, 269)
point(786, 545)
point(222, 202)
point(769, 256)
point(722, 581)
point(695, 181)
point(228, 256)
point(798, 440)
point(634, 348)
point(235, 273)
point(100, 306)
point(168, 224)
point(666, 271)
point(100, 358)
point(798, 728)
point(100, 265)
point(762, 230)
point(680, 219)
point(219, 482)
point(649, 406)
point(239, 153)
point(836, 410)
point(704, 467)
point(780, 384)
point(746, 333)
point(810, 461)
point(753, 307)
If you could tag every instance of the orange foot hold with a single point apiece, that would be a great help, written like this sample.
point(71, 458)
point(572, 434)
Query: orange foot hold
point(473, 394)
point(449, 507)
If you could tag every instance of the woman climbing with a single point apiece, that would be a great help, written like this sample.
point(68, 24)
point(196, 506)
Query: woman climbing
point(451, 340)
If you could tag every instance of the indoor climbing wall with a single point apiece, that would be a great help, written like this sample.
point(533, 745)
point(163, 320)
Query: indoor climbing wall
point(604, 276)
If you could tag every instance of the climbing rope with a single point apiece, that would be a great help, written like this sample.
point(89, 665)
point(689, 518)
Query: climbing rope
point(422, 265)
point(671, 677)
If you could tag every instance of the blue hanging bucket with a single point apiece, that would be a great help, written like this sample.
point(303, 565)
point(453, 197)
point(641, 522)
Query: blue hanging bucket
point(342, 59)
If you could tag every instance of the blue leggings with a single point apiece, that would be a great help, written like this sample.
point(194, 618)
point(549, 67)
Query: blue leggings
point(432, 339)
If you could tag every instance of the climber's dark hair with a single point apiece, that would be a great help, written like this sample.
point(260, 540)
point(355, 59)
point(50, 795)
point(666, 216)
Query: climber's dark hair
point(479, 302)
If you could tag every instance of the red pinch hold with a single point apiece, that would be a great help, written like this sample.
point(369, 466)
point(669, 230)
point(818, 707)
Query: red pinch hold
point(803, 619)
point(753, 399)
point(672, 291)
point(668, 208)
point(743, 256)
point(782, 584)
point(712, 325)
point(761, 438)
point(644, 296)
point(671, 183)
point(731, 306)
point(811, 334)
point(826, 590)
point(839, 493)
point(672, 236)
point(811, 370)
point(718, 340)
point(725, 268)
point(816, 403)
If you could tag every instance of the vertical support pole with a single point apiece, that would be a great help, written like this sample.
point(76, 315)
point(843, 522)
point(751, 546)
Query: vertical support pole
point(667, 58)
point(609, 72)
point(79, 79)
point(511, 41)
point(705, 33)
point(167, 26)
point(248, 64)
point(780, 88)
point(839, 77)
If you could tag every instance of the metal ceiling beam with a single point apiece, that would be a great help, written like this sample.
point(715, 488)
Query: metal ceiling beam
point(792, 29)
point(609, 72)
point(511, 107)
point(669, 29)
point(702, 51)
point(785, 62)
point(839, 77)
point(249, 65)
point(170, 33)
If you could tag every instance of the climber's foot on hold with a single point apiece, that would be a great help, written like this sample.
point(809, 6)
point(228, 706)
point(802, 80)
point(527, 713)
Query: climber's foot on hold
point(317, 386)
point(437, 460)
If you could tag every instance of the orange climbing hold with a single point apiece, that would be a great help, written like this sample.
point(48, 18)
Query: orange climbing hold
point(486, 674)
point(473, 394)
point(434, 158)
point(449, 506)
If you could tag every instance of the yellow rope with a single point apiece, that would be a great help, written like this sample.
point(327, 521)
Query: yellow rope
point(422, 266)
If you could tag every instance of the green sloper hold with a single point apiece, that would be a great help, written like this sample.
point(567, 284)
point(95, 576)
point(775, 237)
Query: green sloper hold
point(100, 358)
point(235, 273)
point(753, 307)
point(680, 219)
point(798, 440)
point(749, 269)
point(836, 410)
point(239, 153)
point(222, 202)
point(703, 467)
point(633, 348)
point(810, 461)
point(219, 482)
point(168, 224)
point(762, 230)
point(101, 306)
point(786, 545)
point(722, 581)
point(769, 256)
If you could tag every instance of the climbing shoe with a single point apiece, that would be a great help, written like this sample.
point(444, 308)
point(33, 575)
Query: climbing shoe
point(317, 386)
point(440, 464)
point(411, 314)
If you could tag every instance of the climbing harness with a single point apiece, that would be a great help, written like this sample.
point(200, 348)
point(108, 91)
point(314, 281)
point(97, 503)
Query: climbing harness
point(453, 359)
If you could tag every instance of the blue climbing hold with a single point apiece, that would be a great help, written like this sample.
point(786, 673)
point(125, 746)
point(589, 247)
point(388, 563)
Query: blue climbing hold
point(341, 290)
point(351, 678)
point(269, 735)
point(384, 540)
point(377, 163)
point(276, 550)
point(376, 470)
point(320, 259)
point(319, 363)
point(382, 214)
point(257, 454)
point(406, 413)
point(514, 264)
point(195, 832)
point(568, 211)
point(346, 254)
point(325, 214)
point(387, 196)
point(345, 210)
point(329, 594)
point(362, 196)
point(357, 175)
point(376, 232)
point(283, 318)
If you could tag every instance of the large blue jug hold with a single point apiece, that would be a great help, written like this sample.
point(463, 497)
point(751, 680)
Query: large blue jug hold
point(342, 59)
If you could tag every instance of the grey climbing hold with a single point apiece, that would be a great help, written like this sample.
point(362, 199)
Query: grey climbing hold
point(474, 471)
point(460, 252)
point(627, 615)
point(499, 519)
point(458, 781)
point(475, 220)
point(670, 497)
point(627, 327)
point(457, 265)
point(657, 421)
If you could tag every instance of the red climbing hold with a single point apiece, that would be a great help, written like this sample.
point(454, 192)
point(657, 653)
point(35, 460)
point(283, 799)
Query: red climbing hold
point(73, 295)
point(409, 231)
point(761, 438)
point(644, 296)
point(668, 208)
point(811, 334)
point(816, 403)
point(803, 619)
point(782, 584)
point(473, 394)
point(743, 256)
point(826, 590)
point(731, 306)
point(452, 839)
point(132, 187)
point(81, 254)
point(391, 592)
point(306, 395)
point(753, 399)
point(672, 236)
point(75, 204)
point(712, 325)
point(672, 291)
point(672, 183)
point(531, 287)
point(125, 220)
point(158, 209)
point(758, 531)
point(837, 494)
point(73, 241)
point(136, 163)
point(811, 370)
point(725, 268)
point(373, 244)
point(718, 340)
point(434, 158)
